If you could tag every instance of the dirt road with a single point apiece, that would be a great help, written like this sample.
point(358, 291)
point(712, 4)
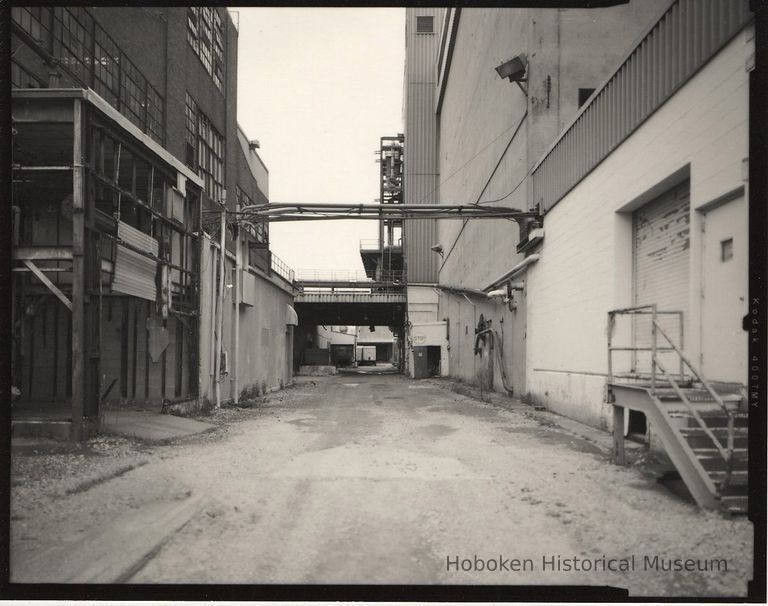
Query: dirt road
point(367, 478)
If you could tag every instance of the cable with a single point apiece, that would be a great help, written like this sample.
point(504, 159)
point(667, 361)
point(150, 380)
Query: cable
point(477, 202)
point(454, 173)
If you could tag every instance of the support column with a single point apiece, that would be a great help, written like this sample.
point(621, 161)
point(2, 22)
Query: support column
point(220, 308)
point(618, 435)
point(78, 275)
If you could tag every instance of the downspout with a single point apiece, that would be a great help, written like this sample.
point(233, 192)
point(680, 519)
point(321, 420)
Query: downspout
point(512, 272)
point(220, 308)
point(235, 378)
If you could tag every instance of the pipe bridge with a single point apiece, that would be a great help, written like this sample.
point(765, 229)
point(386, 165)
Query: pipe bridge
point(350, 298)
point(275, 212)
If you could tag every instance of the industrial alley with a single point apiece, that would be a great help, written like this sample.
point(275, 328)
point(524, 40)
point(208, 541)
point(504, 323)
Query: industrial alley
point(363, 477)
point(398, 295)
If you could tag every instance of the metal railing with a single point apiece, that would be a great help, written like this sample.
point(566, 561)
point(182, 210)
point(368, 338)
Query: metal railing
point(347, 276)
point(726, 452)
point(278, 266)
point(375, 244)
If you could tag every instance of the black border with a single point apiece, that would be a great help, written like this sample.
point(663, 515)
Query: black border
point(755, 323)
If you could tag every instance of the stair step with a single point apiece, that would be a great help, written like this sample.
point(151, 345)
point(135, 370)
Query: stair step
point(738, 453)
point(740, 432)
point(734, 503)
point(737, 476)
point(695, 395)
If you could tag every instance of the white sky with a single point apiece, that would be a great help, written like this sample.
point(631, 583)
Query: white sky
point(318, 87)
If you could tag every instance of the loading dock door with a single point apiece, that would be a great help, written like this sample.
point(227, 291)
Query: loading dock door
point(661, 268)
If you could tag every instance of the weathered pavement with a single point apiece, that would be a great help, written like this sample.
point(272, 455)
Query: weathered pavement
point(366, 478)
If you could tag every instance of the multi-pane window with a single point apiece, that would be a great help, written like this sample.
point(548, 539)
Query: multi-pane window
point(21, 78)
point(106, 67)
point(205, 150)
point(134, 91)
point(190, 154)
point(205, 34)
point(72, 40)
point(35, 20)
point(88, 57)
point(154, 113)
point(218, 51)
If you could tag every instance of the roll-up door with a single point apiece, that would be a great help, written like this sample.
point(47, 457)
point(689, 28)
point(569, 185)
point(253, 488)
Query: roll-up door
point(661, 268)
point(135, 274)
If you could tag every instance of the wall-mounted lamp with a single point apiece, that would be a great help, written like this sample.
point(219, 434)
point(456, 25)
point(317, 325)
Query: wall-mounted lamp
point(438, 248)
point(254, 144)
point(514, 70)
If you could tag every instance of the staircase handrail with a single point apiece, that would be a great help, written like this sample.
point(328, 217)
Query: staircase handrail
point(726, 453)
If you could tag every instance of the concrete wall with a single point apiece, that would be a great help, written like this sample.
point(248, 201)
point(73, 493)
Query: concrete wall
point(585, 264)
point(425, 334)
point(491, 134)
point(265, 342)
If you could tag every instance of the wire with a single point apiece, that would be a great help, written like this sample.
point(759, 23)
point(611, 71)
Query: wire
point(493, 172)
point(454, 173)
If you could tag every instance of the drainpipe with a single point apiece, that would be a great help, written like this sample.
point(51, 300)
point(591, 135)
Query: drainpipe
point(513, 272)
point(234, 380)
point(220, 308)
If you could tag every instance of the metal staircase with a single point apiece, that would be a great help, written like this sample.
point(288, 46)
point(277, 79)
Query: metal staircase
point(702, 428)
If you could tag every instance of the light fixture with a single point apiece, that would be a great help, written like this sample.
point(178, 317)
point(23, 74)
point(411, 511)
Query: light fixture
point(438, 248)
point(514, 70)
point(254, 144)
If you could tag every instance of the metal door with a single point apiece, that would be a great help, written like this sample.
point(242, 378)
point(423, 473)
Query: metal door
point(724, 264)
point(661, 268)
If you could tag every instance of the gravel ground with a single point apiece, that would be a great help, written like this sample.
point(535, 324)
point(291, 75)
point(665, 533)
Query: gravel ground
point(378, 479)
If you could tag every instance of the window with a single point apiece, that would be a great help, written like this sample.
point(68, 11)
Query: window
point(34, 20)
point(205, 34)
point(726, 250)
point(204, 150)
point(584, 94)
point(89, 58)
point(154, 114)
point(134, 93)
point(106, 68)
point(425, 24)
point(190, 154)
point(21, 78)
point(72, 41)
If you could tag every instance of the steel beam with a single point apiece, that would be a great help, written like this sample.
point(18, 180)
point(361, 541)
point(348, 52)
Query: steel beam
point(51, 286)
point(78, 274)
point(38, 253)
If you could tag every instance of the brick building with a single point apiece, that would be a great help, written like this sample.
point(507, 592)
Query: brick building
point(126, 150)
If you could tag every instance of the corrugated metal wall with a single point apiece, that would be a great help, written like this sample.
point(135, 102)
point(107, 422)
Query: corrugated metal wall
point(135, 273)
point(421, 178)
point(688, 34)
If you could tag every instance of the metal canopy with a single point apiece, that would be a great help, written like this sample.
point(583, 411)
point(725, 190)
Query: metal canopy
point(325, 212)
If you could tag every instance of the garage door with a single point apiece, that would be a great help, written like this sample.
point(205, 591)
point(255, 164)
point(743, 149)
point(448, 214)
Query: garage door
point(661, 267)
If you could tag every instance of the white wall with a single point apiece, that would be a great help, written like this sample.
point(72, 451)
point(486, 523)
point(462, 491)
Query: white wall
point(265, 348)
point(585, 264)
point(422, 304)
point(429, 333)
